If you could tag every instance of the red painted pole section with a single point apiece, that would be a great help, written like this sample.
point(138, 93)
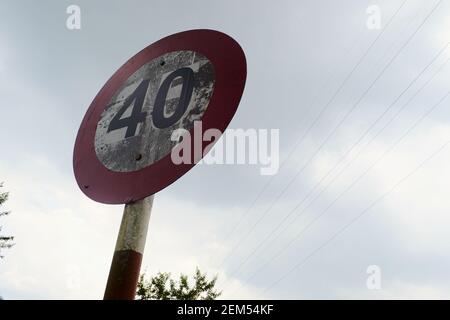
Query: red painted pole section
point(126, 263)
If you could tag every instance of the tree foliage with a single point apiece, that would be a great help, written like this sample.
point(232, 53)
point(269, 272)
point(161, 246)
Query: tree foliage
point(162, 287)
point(5, 241)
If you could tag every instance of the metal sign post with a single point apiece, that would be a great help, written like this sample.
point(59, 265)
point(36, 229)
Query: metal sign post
point(123, 150)
point(126, 263)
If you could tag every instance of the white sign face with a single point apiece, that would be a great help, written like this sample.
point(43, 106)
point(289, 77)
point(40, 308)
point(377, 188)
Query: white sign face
point(167, 93)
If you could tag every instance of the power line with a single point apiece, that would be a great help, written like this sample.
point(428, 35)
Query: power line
point(345, 156)
point(359, 216)
point(337, 126)
point(299, 234)
point(315, 121)
point(266, 185)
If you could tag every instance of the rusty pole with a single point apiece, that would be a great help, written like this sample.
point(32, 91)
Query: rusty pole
point(126, 263)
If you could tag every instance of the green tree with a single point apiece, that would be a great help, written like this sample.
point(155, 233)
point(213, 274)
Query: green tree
point(162, 287)
point(5, 241)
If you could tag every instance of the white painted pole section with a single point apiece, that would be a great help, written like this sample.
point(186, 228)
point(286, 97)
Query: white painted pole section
point(134, 226)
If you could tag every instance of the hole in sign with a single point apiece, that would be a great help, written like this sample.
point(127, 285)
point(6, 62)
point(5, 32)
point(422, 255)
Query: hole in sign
point(139, 157)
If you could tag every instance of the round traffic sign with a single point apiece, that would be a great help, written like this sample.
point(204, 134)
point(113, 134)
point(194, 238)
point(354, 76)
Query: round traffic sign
point(123, 148)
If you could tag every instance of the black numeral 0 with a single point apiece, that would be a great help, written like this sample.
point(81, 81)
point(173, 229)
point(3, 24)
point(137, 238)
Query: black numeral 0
point(159, 119)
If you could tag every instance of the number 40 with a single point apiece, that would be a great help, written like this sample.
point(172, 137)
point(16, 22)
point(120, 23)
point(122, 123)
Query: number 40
point(159, 119)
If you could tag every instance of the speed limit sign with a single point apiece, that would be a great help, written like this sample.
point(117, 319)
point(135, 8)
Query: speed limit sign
point(123, 149)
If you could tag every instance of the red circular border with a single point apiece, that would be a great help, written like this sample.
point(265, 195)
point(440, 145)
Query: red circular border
point(106, 186)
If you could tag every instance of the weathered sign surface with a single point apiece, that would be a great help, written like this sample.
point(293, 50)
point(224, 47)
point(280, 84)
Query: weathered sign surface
point(169, 92)
point(123, 147)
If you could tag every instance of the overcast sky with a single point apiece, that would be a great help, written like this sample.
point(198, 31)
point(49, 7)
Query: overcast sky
point(299, 53)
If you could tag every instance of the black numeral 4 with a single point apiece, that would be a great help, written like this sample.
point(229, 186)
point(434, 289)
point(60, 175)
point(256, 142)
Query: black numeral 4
point(137, 115)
